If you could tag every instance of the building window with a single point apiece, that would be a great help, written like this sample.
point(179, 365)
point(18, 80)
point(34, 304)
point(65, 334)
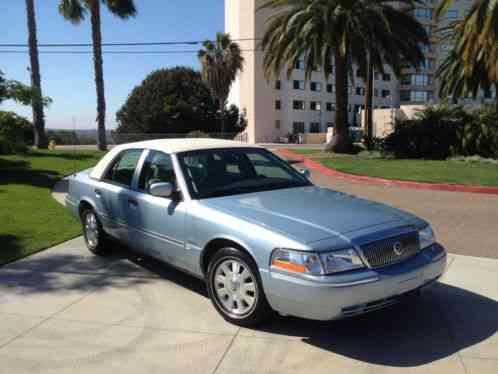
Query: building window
point(315, 105)
point(425, 48)
point(349, 108)
point(330, 107)
point(452, 14)
point(330, 124)
point(428, 63)
point(376, 92)
point(386, 77)
point(423, 13)
point(278, 105)
point(298, 127)
point(360, 91)
point(316, 86)
point(330, 87)
point(298, 105)
point(376, 76)
point(299, 85)
point(358, 73)
point(357, 108)
point(416, 96)
point(386, 93)
point(428, 30)
point(277, 124)
point(278, 85)
point(299, 64)
point(416, 79)
point(315, 127)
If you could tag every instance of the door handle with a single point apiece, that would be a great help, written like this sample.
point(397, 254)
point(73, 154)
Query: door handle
point(98, 193)
point(133, 203)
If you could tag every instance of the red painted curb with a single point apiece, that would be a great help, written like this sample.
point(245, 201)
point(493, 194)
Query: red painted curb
point(386, 182)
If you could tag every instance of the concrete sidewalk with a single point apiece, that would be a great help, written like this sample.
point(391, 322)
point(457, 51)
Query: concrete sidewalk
point(65, 311)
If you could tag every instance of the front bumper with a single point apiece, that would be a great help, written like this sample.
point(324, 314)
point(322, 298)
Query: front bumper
point(361, 291)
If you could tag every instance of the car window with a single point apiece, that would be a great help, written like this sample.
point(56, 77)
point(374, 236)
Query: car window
point(123, 168)
point(221, 172)
point(157, 168)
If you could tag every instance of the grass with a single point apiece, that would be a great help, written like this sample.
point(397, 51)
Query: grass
point(31, 220)
point(431, 171)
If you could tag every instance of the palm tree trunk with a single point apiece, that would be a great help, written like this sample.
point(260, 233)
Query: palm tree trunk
point(340, 142)
point(222, 116)
point(99, 75)
point(496, 96)
point(368, 104)
point(36, 92)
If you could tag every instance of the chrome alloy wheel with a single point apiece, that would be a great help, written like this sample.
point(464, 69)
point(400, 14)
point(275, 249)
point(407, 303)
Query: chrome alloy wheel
point(235, 287)
point(91, 230)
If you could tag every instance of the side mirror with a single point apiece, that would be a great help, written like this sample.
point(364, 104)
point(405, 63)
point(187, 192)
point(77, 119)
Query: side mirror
point(305, 172)
point(162, 189)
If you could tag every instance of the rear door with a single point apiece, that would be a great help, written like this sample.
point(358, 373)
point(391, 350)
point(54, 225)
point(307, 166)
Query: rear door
point(114, 194)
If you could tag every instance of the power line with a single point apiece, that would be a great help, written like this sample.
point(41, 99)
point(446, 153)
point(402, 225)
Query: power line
point(114, 52)
point(118, 44)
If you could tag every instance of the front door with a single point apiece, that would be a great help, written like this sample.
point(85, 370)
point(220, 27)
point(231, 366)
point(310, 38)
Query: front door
point(159, 222)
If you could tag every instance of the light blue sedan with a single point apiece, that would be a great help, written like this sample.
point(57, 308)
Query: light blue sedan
point(261, 235)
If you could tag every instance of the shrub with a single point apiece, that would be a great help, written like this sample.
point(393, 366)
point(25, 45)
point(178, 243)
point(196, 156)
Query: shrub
point(14, 130)
point(439, 132)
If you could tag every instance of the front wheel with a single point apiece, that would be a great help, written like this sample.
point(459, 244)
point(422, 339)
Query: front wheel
point(235, 288)
point(95, 237)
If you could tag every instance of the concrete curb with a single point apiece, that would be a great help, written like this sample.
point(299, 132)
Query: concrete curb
point(386, 182)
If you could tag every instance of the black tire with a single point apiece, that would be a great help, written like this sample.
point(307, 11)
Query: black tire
point(99, 245)
point(259, 311)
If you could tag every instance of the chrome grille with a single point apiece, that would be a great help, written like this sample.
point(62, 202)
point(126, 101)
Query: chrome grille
point(391, 250)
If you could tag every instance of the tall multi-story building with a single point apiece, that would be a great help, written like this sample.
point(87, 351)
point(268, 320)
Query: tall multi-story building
point(276, 108)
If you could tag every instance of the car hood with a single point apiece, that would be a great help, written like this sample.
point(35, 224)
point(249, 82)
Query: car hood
point(309, 214)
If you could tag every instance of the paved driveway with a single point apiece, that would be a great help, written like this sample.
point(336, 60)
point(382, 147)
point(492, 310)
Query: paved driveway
point(64, 311)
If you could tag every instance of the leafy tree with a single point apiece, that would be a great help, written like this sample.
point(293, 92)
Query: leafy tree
point(221, 61)
point(36, 92)
point(173, 101)
point(19, 92)
point(365, 32)
point(471, 65)
point(75, 11)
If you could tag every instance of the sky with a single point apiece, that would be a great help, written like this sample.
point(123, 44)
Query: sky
point(69, 78)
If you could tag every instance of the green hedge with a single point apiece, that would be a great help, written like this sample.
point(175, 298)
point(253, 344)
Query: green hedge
point(443, 131)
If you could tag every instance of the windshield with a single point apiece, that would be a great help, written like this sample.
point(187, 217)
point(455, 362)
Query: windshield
point(231, 171)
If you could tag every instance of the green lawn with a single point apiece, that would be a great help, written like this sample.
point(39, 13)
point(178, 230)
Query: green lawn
point(30, 219)
point(432, 171)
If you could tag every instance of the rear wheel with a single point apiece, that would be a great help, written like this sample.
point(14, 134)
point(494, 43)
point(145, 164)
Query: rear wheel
point(235, 288)
point(95, 237)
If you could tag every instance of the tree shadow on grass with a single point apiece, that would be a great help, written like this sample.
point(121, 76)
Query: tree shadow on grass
point(66, 155)
point(19, 172)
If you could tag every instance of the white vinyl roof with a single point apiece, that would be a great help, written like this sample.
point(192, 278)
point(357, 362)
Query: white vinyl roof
point(168, 146)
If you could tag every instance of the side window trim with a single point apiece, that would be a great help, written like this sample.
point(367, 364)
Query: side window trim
point(138, 169)
point(115, 160)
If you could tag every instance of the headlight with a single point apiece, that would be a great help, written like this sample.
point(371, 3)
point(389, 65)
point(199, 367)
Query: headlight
point(426, 237)
point(296, 261)
point(314, 263)
point(344, 260)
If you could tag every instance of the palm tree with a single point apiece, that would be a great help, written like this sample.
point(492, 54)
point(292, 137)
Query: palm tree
point(221, 61)
point(365, 32)
point(36, 91)
point(471, 65)
point(75, 11)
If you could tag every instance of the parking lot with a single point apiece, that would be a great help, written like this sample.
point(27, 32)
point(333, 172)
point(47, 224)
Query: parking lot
point(63, 310)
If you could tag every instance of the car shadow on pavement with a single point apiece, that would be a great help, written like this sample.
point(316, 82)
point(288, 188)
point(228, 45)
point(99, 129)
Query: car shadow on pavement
point(441, 322)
